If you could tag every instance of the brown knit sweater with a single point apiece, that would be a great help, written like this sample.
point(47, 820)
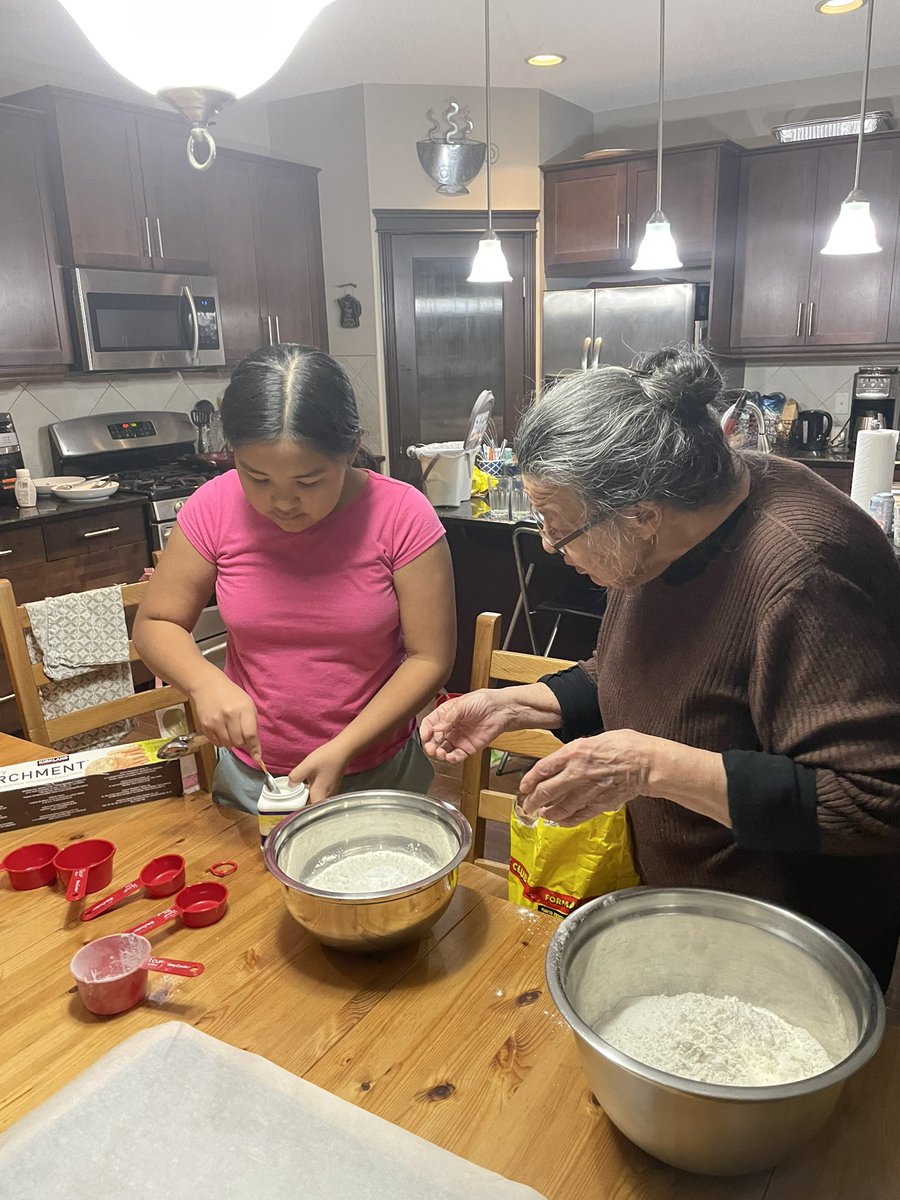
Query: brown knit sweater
point(786, 642)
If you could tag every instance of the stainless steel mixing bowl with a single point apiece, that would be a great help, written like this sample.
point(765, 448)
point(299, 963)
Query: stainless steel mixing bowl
point(353, 824)
point(653, 941)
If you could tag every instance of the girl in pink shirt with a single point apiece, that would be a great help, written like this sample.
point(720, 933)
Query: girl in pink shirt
point(334, 584)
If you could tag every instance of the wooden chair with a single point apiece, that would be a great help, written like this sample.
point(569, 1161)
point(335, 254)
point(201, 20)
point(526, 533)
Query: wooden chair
point(28, 678)
point(491, 664)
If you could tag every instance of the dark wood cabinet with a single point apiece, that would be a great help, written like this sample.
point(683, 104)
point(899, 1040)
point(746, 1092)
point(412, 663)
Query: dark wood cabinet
point(787, 294)
point(266, 252)
point(173, 197)
point(33, 330)
point(595, 213)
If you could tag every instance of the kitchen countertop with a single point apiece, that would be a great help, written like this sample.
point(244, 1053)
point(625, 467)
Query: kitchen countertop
point(51, 510)
point(454, 1037)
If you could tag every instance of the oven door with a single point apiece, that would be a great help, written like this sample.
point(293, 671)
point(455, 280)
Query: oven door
point(135, 320)
point(210, 636)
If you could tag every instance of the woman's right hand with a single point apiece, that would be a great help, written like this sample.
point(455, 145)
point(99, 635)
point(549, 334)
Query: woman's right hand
point(226, 714)
point(460, 727)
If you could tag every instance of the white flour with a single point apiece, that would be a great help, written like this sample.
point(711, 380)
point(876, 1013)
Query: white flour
point(370, 871)
point(713, 1040)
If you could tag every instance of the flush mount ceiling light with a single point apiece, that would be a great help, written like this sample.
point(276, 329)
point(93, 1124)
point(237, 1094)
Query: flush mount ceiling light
point(834, 8)
point(854, 230)
point(545, 60)
point(489, 265)
point(658, 251)
point(196, 65)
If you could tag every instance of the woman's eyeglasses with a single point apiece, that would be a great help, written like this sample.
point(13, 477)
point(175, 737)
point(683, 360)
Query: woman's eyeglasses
point(558, 544)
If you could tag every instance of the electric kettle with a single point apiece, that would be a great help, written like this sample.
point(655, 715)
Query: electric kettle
point(813, 429)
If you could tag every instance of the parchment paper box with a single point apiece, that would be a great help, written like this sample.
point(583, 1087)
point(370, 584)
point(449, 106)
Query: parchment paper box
point(70, 785)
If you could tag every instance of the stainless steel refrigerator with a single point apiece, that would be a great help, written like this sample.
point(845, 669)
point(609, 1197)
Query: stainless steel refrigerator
point(608, 326)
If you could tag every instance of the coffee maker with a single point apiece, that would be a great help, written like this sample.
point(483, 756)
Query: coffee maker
point(11, 459)
point(874, 397)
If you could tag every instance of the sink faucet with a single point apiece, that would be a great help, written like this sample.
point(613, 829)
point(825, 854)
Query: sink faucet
point(731, 415)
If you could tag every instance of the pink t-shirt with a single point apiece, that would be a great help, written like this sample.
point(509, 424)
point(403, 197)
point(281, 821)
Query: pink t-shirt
point(312, 617)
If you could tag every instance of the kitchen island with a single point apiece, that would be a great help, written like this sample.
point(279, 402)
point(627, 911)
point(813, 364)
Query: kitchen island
point(454, 1037)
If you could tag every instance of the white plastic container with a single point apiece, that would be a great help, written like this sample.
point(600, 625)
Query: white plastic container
point(447, 470)
point(275, 806)
point(26, 492)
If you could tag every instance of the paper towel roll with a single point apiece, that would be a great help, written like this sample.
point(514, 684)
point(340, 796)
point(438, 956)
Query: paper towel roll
point(873, 464)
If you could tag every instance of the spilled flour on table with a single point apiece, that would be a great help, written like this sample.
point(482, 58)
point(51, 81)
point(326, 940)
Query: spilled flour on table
point(713, 1040)
point(370, 871)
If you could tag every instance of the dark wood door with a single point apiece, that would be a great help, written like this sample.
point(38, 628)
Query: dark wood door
point(850, 295)
point(688, 200)
point(104, 193)
point(228, 204)
point(173, 196)
point(585, 215)
point(289, 253)
point(448, 340)
point(774, 249)
point(33, 329)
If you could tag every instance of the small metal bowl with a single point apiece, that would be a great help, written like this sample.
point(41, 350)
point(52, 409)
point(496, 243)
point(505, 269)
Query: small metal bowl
point(353, 824)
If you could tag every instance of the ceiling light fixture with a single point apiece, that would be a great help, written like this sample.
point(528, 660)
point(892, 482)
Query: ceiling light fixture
point(834, 8)
point(545, 60)
point(854, 230)
point(490, 264)
point(197, 68)
point(658, 251)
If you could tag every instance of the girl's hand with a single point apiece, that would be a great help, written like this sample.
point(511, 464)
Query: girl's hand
point(323, 770)
point(457, 728)
point(590, 776)
point(227, 715)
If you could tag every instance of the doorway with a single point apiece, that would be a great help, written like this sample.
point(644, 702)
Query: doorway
point(445, 339)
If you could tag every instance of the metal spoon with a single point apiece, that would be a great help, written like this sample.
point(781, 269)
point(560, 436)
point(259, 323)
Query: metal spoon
point(184, 744)
point(271, 782)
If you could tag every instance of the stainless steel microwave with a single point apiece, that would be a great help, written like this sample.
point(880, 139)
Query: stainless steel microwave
point(141, 320)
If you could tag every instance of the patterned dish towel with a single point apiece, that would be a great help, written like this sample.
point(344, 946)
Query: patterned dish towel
point(81, 640)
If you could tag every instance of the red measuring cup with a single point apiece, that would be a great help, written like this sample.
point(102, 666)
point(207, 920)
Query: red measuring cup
point(162, 876)
point(30, 866)
point(111, 972)
point(85, 866)
point(198, 905)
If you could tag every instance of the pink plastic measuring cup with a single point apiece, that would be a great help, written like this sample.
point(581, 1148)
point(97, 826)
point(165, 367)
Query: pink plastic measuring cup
point(111, 972)
point(85, 866)
point(198, 904)
point(162, 876)
point(30, 866)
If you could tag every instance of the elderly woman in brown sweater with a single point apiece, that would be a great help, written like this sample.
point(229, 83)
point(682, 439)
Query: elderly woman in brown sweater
point(744, 695)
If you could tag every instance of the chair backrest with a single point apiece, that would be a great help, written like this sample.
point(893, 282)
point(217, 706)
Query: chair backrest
point(28, 678)
point(490, 665)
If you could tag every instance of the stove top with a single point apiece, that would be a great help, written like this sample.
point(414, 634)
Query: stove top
point(162, 483)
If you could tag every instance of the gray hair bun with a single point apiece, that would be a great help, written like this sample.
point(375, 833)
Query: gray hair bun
point(684, 381)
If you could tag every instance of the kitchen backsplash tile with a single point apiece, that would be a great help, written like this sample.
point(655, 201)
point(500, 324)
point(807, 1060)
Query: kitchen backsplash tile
point(363, 372)
point(812, 386)
point(35, 405)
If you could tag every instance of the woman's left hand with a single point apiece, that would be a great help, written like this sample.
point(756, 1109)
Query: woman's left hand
point(589, 776)
point(323, 771)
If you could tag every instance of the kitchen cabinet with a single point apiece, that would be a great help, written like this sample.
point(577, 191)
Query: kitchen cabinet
point(595, 213)
point(69, 553)
point(126, 196)
point(266, 251)
point(33, 331)
point(787, 294)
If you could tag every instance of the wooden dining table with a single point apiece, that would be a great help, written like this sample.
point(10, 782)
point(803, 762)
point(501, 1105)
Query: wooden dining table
point(453, 1037)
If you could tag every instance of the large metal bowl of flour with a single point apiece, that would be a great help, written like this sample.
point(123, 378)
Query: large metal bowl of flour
point(347, 835)
point(654, 941)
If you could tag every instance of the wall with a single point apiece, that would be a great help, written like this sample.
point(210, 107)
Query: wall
point(812, 386)
point(35, 405)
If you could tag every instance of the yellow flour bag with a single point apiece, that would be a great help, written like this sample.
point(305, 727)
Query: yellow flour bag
point(554, 869)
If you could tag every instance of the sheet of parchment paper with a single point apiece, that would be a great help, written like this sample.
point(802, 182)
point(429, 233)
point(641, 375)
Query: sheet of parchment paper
point(174, 1113)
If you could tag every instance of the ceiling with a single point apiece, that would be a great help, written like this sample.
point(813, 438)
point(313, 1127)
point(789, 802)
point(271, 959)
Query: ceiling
point(712, 46)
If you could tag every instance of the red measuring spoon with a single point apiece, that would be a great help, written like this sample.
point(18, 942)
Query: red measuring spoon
point(111, 972)
point(162, 876)
point(85, 866)
point(197, 905)
point(30, 866)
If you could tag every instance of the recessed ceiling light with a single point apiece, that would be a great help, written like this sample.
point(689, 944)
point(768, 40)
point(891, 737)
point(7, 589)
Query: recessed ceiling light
point(834, 8)
point(545, 60)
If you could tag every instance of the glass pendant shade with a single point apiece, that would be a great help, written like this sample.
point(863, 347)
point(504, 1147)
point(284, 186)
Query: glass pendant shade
point(231, 47)
point(658, 251)
point(490, 264)
point(854, 230)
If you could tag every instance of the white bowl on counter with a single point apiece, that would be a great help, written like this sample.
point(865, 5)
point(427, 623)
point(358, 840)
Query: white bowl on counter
point(44, 487)
point(84, 492)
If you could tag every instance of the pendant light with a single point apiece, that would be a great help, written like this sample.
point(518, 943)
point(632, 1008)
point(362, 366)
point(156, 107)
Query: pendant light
point(196, 65)
point(854, 230)
point(490, 264)
point(658, 251)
